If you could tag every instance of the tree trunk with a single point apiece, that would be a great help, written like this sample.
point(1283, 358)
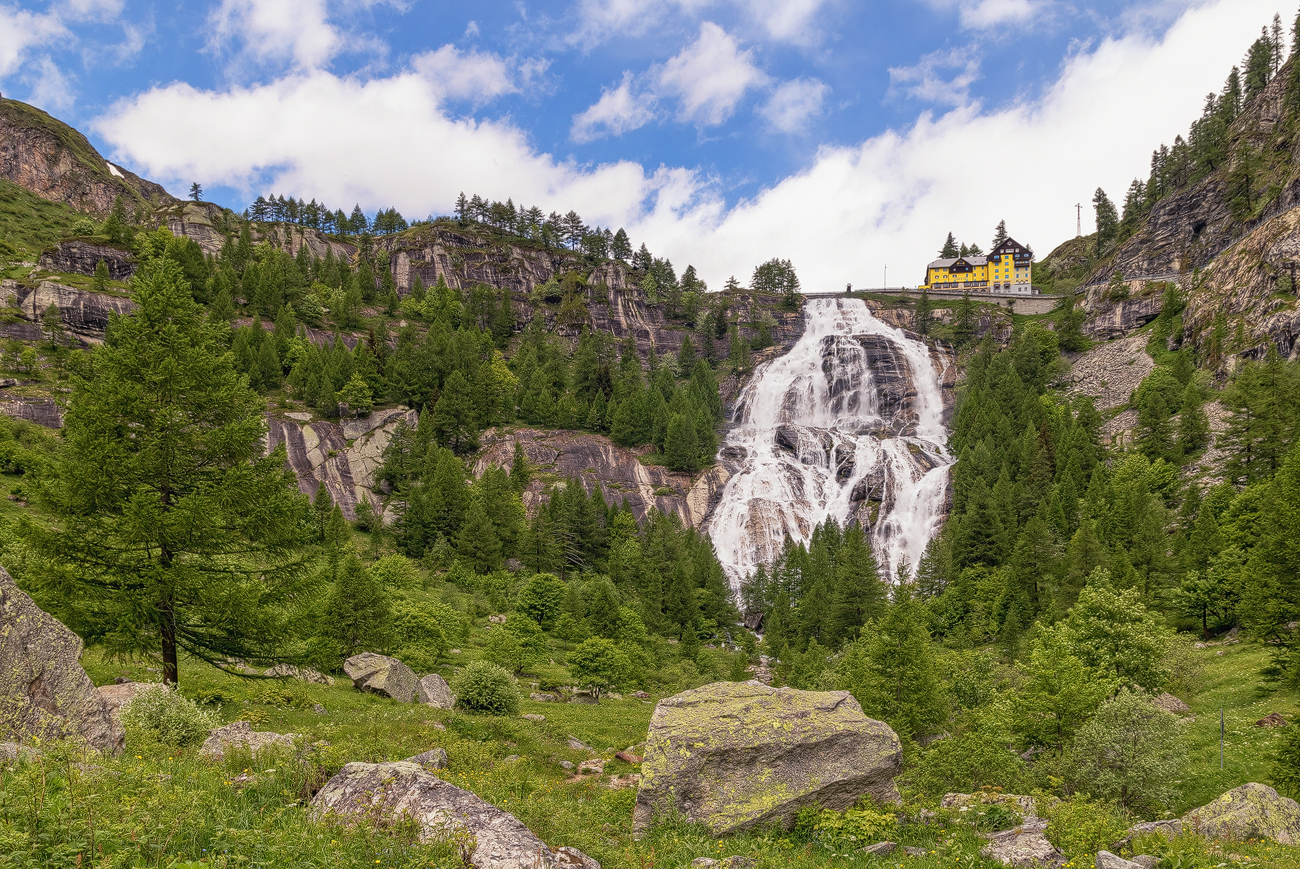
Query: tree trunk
point(167, 634)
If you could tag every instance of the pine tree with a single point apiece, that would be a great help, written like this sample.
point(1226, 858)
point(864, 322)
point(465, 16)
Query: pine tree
point(922, 313)
point(357, 614)
point(520, 470)
point(681, 449)
point(1193, 425)
point(859, 594)
point(477, 545)
point(184, 535)
point(1107, 219)
point(454, 416)
point(1000, 234)
point(949, 249)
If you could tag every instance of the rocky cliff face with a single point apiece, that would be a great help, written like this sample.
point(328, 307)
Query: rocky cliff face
point(85, 315)
point(56, 162)
point(81, 258)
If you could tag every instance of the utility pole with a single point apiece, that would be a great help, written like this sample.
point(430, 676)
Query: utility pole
point(1078, 220)
point(886, 279)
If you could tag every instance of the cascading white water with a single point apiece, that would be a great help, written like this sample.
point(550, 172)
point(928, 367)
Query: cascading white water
point(817, 425)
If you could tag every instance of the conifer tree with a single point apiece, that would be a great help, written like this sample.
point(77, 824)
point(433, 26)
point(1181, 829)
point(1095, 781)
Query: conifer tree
point(183, 536)
point(454, 416)
point(357, 614)
point(477, 545)
point(949, 249)
point(1193, 425)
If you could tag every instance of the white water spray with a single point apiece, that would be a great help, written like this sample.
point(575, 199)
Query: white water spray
point(850, 418)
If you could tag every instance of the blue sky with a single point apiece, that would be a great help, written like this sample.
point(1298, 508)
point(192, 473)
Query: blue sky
point(845, 136)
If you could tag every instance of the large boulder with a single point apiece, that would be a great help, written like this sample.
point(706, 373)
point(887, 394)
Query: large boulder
point(120, 694)
point(380, 674)
point(1251, 811)
point(240, 735)
point(735, 755)
point(44, 692)
point(434, 691)
point(496, 840)
point(1023, 847)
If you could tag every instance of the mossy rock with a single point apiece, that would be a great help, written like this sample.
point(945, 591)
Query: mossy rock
point(738, 755)
point(1251, 811)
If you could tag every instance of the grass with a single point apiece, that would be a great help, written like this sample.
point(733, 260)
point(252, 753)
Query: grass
point(29, 224)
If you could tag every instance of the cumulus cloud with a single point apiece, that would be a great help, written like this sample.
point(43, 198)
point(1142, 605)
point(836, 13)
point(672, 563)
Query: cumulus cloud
point(619, 110)
point(473, 76)
point(794, 104)
point(942, 77)
point(51, 88)
point(710, 76)
point(22, 30)
point(276, 30)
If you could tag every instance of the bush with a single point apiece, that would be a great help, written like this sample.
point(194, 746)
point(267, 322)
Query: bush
point(485, 687)
point(1286, 763)
point(847, 832)
point(966, 763)
point(160, 715)
point(1130, 752)
point(1081, 827)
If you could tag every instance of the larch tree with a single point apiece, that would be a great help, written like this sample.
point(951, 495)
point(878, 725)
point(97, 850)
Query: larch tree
point(170, 528)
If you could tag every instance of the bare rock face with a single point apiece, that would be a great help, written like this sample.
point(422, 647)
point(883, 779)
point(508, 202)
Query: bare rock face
point(41, 411)
point(1115, 319)
point(343, 456)
point(380, 674)
point(1251, 811)
point(117, 696)
point(595, 459)
point(57, 163)
point(1107, 860)
point(492, 839)
point(1170, 703)
point(434, 758)
point(241, 735)
point(82, 257)
point(738, 755)
point(84, 314)
point(44, 692)
point(1024, 846)
point(434, 691)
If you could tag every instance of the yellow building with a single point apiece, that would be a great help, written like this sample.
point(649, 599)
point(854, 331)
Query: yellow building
point(1006, 270)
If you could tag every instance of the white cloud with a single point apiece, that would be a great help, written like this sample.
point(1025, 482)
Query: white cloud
point(618, 111)
point(379, 142)
point(100, 10)
point(51, 88)
point(985, 14)
point(473, 76)
point(21, 30)
point(942, 77)
point(781, 20)
point(710, 76)
point(277, 30)
point(795, 103)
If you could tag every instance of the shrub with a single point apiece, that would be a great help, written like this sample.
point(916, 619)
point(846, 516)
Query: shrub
point(1081, 827)
point(1129, 752)
point(484, 687)
point(854, 829)
point(158, 714)
point(966, 763)
point(1286, 763)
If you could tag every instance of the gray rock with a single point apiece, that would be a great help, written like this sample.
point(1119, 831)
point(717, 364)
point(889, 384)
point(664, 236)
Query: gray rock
point(44, 692)
point(703, 862)
point(880, 849)
point(572, 858)
point(1146, 861)
point(380, 674)
point(302, 674)
point(1168, 828)
point(534, 717)
point(1025, 846)
point(81, 258)
point(1170, 703)
point(584, 697)
point(1250, 811)
point(542, 697)
point(578, 745)
point(241, 735)
point(1107, 860)
point(567, 764)
point(119, 694)
point(912, 851)
point(12, 751)
point(319, 709)
point(378, 791)
point(434, 691)
point(510, 758)
point(434, 758)
point(813, 747)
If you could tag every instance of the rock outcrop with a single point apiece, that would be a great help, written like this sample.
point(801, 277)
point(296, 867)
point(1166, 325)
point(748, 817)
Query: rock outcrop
point(434, 758)
point(738, 755)
point(54, 161)
point(434, 691)
point(1251, 811)
point(1021, 805)
point(85, 314)
point(240, 736)
point(44, 692)
point(596, 460)
point(81, 257)
point(118, 695)
point(380, 674)
point(489, 838)
point(344, 456)
point(1025, 846)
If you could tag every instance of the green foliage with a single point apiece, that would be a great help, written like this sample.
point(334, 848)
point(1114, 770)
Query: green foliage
point(159, 715)
point(357, 616)
point(599, 665)
point(1116, 636)
point(966, 762)
point(1286, 763)
point(1080, 827)
point(848, 831)
point(540, 598)
point(1060, 691)
point(485, 687)
point(1129, 752)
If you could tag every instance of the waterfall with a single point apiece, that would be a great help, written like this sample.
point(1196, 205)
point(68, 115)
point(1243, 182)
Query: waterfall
point(848, 423)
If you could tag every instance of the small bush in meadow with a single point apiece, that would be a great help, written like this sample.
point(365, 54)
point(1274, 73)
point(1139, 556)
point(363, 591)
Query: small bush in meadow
point(484, 687)
point(158, 714)
point(1081, 827)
